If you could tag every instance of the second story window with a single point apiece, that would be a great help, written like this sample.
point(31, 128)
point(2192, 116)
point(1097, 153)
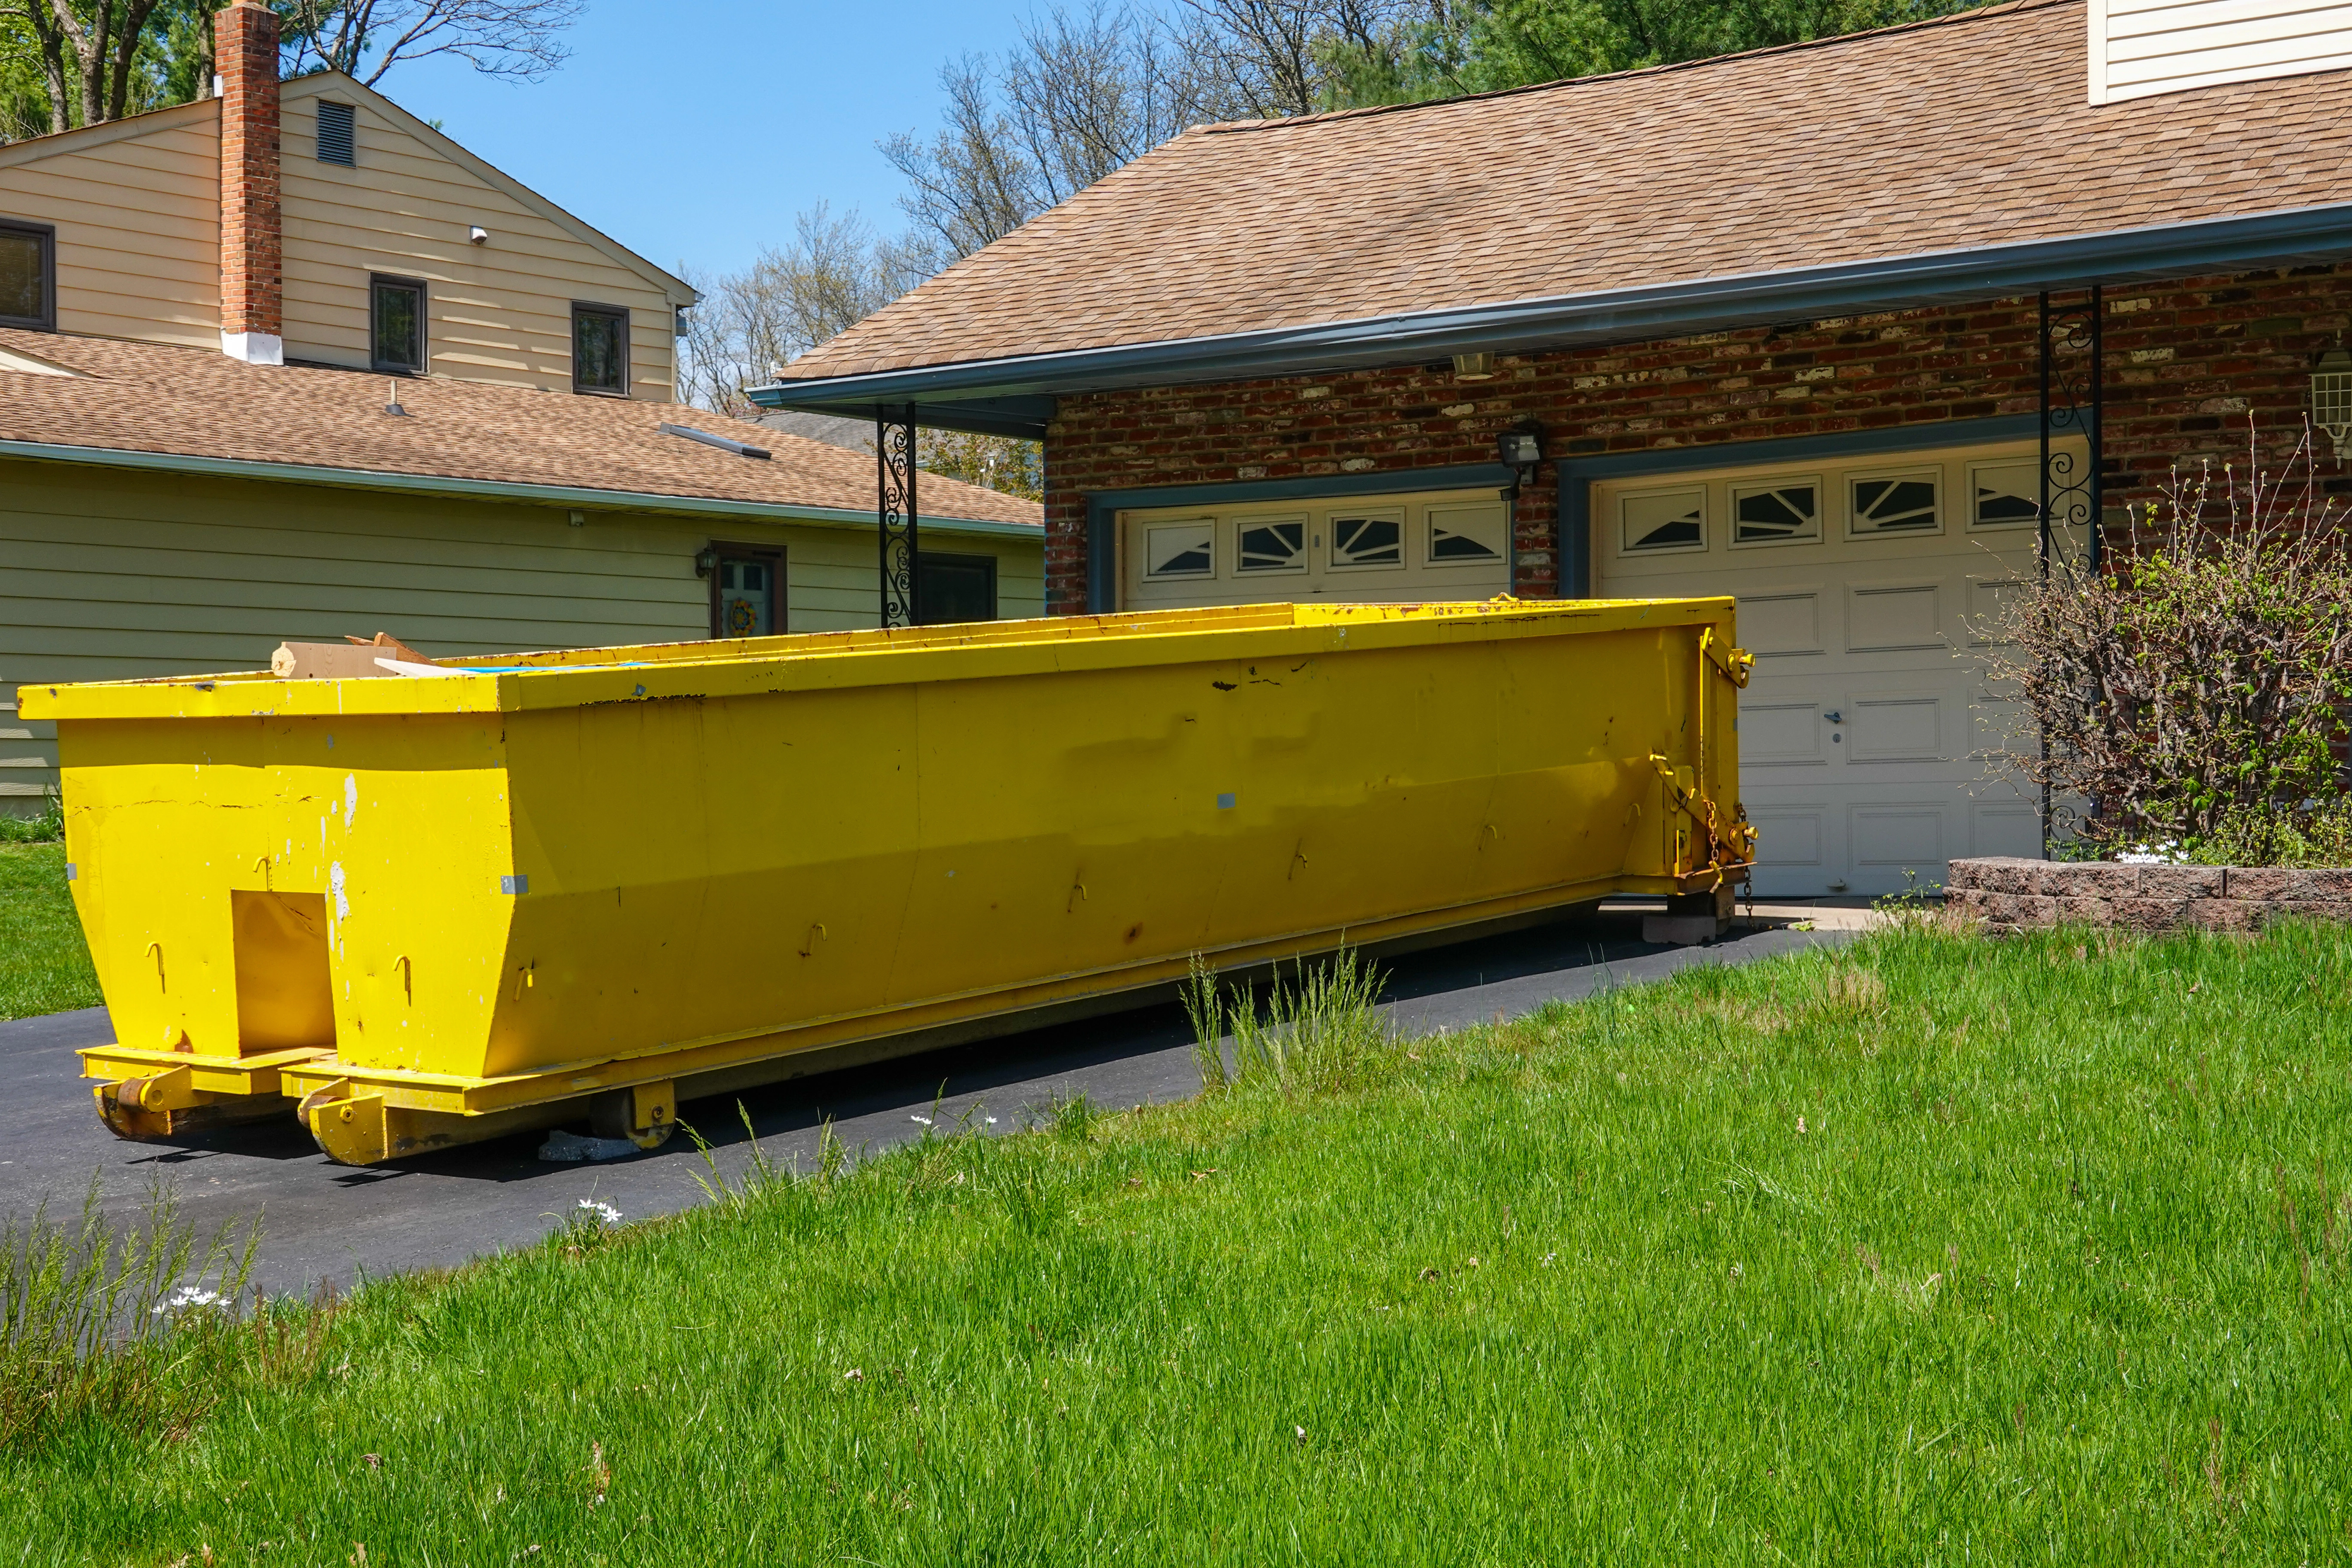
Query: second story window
point(397, 324)
point(28, 286)
point(600, 349)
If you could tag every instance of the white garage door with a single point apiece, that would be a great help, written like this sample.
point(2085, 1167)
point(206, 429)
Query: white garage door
point(1864, 588)
point(1378, 550)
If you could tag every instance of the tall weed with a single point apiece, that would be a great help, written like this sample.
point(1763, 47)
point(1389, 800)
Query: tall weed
point(1319, 1034)
point(88, 1308)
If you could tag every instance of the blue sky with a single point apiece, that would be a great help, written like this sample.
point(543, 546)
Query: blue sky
point(693, 130)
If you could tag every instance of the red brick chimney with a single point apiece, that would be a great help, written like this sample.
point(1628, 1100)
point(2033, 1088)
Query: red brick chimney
point(252, 272)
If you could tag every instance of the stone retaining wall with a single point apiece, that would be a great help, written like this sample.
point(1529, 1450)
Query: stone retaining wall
point(2009, 894)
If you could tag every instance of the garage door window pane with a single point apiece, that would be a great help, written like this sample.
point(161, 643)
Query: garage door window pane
point(2008, 495)
point(1895, 503)
point(1465, 535)
point(1663, 519)
point(1776, 514)
point(1179, 549)
point(1359, 541)
point(1273, 546)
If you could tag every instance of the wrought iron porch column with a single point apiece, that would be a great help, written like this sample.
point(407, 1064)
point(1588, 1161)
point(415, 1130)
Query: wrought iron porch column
point(894, 457)
point(2074, 402)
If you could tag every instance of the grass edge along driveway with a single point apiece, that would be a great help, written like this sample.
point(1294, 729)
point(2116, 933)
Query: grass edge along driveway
point(44, 963)
point(1931, 1248)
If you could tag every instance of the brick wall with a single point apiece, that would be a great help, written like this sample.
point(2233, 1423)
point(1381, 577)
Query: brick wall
point(251, 240)
point(2186, 362)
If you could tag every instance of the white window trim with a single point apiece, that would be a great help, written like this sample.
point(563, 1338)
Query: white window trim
point(1332, 517)
point(1625, 549)
point(1427, 532)
point(1735, 488)
point(1242, 573)
point(1978, 467)
point(1934, 476)
point(1208, 522)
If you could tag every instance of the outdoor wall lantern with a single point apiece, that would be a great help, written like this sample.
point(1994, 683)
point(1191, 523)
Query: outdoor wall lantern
point(1522, 448)
point(707, 562)
point(2331, 397)
point(1477, 366)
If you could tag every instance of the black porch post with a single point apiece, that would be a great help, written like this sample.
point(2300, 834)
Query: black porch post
point(894, 457)
point(2073, 399)
point(2043, 550)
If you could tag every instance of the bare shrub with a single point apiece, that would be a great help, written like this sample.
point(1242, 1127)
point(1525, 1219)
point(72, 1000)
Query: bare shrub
point(2200, 672)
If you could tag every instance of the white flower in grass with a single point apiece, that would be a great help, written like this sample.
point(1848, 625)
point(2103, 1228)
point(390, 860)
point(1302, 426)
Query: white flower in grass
point(992, 1121)
point(604, 1213)
point(187, 1296)
point(923, 1120)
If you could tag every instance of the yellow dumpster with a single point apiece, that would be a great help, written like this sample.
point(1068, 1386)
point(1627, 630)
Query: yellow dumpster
point(450, 900)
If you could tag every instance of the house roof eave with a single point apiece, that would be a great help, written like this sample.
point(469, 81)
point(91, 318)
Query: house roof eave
point(1014, 395)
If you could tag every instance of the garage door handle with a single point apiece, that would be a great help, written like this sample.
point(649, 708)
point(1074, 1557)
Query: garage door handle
point(1834, 718)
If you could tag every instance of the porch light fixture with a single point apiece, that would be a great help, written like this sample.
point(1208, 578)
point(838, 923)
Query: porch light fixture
point(1476, 366)
point(1521, 447)
point(707, 562)
point(2331, 397)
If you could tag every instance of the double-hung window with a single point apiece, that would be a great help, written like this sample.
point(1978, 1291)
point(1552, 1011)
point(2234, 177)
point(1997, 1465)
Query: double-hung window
point(600, 349)
point(29, 276)
point(396, 325)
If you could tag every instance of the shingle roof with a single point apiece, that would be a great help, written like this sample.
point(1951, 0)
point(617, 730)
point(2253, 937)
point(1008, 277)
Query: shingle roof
point(191, 403)
point(1938, 136)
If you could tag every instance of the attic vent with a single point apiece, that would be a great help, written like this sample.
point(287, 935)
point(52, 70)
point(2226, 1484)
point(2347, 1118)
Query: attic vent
point(740, 449)
point(337, 138)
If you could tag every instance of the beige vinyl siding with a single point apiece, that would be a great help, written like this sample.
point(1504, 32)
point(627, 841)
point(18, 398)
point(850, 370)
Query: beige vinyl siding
point(136, 206)
point(108, 574)
point(2140, 47)
point(499, 311)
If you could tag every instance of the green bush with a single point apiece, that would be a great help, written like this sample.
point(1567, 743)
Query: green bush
point(47, 829)
point(2202, 673)
point(2316, 835)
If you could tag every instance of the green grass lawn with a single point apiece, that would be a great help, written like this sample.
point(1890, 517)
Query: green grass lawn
point(1934, 1250)
point(44, 964)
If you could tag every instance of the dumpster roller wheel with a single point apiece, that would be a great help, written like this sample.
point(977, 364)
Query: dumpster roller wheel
point(646, 1113)
point(355, 1124)
point(167, 1104)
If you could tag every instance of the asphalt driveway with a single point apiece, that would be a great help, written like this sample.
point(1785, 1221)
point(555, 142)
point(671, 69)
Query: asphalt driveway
point(323, 1222)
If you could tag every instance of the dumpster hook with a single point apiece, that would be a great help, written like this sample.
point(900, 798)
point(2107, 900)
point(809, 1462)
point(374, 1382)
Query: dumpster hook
point(1077, 892)
point(407, 977)
point(525, 978)
point(816, 934)
point(157, 949)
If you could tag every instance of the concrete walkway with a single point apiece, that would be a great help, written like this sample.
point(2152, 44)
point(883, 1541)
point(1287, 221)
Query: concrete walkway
point(326, 1222)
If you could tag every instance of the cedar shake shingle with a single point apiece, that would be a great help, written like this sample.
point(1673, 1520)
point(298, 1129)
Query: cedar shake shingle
point(150, 397)
point(1945, 135)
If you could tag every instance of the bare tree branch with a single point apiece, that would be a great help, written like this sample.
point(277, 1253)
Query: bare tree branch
point(519, 40)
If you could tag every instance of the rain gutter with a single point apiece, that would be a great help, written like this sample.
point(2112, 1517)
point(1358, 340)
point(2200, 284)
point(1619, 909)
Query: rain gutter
point(497, 489)
point(1015, 395)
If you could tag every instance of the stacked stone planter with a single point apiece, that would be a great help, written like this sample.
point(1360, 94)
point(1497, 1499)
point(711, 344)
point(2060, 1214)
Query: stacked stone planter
point(2009, 894)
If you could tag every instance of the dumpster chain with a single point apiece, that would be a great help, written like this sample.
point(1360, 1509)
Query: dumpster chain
point(1728, 853)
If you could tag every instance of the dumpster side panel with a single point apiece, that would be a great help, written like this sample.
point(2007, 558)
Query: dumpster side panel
point(698, 866)
point(355, 819)
point(724, 865)
point(418, 846)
